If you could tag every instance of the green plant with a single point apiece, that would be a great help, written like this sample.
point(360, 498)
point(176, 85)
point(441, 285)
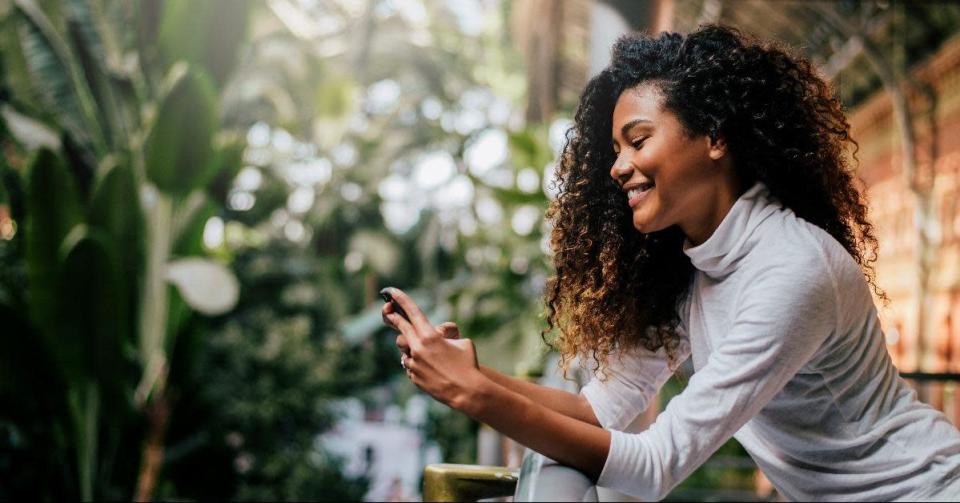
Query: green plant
point(122, 142)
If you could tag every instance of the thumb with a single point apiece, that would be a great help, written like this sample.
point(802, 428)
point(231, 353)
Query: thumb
point(449, 330)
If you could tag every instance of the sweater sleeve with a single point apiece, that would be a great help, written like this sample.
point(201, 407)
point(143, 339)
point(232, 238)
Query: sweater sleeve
point(633, 378)
point(783, 317)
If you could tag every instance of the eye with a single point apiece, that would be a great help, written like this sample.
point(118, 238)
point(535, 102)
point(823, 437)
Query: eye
point(638, 142)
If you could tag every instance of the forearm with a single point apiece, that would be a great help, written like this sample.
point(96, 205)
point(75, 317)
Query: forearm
point(569, 404)
point(563, 438)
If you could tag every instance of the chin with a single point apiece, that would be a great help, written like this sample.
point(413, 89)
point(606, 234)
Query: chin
point(645, 226)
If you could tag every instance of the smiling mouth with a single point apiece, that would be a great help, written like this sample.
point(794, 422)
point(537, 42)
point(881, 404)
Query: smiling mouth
point(639, 190)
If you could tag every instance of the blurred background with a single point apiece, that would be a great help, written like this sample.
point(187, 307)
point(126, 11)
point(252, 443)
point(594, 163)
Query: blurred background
point(200, 200)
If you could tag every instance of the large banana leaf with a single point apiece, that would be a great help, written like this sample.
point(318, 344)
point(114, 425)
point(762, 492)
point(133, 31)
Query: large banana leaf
point(179, 150)
point(226, 29)
point(47, 226)
point(115, 210)
point(206, 34)
point(181, 31)
point(91, 293)
point(91, 329)
point(206, 286)
point(58, 76)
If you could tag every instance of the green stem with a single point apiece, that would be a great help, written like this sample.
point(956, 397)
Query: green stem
point(85, 408)
point(155, 299)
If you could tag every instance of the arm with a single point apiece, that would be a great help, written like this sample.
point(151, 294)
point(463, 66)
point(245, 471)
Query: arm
point(564, 402)
point(784, 318)
point(633, 378)
point(562, 438)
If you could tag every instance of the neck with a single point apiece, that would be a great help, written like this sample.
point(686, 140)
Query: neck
point(715, 209)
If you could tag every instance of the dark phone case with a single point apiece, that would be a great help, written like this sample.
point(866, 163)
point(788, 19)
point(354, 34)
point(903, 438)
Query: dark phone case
point(396, 307)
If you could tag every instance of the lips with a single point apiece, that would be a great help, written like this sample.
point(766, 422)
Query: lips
point(638, 192)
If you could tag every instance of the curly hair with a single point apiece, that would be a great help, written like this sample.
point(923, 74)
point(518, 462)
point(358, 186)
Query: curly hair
point(617, 288)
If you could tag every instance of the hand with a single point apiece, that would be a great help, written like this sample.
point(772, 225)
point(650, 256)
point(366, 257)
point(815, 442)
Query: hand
point(449, 330)
point(437, 360)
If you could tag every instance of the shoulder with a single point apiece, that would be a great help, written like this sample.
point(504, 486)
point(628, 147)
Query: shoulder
point(832, 256)
point(794, 260)
point(787, 244)
point(805, 257)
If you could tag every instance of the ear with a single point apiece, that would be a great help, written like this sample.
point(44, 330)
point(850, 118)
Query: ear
point(716, 148)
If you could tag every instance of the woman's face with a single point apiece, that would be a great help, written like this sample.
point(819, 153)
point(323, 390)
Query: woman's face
point(670, 178)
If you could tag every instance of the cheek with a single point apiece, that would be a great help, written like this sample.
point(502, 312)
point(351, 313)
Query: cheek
point(671, 196)
point(681, 172)
point(676, 181)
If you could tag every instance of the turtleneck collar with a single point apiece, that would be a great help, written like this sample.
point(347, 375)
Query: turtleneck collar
point(731, 241)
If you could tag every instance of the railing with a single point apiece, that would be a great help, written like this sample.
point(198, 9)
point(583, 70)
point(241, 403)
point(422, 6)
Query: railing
point(448, 482)
point(539, 479)
point(931, 376)
point(939, 389)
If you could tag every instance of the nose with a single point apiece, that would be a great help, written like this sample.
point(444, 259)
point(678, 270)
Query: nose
point(622, 169)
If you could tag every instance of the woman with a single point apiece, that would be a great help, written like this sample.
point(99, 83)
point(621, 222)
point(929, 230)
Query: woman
point(707, 210)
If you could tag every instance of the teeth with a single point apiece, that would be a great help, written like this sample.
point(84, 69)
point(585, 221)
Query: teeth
point(638, 190)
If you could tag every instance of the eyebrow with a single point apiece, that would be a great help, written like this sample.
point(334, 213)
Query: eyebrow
point(630, 125)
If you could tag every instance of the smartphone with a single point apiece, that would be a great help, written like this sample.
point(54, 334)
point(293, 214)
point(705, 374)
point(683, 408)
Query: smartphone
point(385, 293)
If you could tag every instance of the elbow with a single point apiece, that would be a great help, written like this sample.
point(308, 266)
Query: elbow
point(635, 471)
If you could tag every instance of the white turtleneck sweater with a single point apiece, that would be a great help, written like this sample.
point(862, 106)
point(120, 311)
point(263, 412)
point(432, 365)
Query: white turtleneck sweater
point(790, 360)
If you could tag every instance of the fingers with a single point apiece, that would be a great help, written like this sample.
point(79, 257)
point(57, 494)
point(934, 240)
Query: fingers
point(387, 309)
point(405, 362)
point(408, 366)
point(449, 330)
point(401, 341)
point(399, 323)
point(417, 318)
point(402, 345)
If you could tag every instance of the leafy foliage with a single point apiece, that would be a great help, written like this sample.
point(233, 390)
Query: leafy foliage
point(95, 323)
point(149, 106)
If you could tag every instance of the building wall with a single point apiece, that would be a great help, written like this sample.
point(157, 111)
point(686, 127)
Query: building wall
point(935, 103)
